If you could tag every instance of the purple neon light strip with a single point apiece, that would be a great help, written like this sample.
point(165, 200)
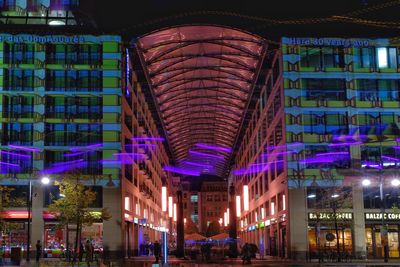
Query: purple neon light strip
point(15, 154)
point(68, 162)
point(390, 158)
point(205, 154)
point(317, 160)
point(351, 137)
point(141, 145)
point(74, 154)
point(9, 164)
point(125, 154)
point(346, 144)
point(31, 149)
point(197, 164)
point(211, 147)
point(181, 171)
point(332, 154)
point(371, 164)
point(83, 148)
point(283, 146)
point(161, 139)
point(277, 153)
point(63, 168)
point(105, 162)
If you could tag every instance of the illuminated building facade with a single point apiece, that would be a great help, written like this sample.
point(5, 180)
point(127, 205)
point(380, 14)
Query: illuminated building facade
point(144, 176)
point(213, 202)
point(327, 118)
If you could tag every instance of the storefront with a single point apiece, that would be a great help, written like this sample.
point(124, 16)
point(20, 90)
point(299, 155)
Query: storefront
point(56, 237)
point(322, 237)
point(373, 237)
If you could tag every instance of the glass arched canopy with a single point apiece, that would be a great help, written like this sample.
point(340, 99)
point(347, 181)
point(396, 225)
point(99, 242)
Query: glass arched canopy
point(202, 78)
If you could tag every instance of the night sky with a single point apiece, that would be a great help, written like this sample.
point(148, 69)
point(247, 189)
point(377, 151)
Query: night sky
point(135, 18)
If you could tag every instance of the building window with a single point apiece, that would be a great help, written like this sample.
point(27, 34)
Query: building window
point(373, 90)
point(209, 197)
point(324, 89)
point(18, 80)
point(322, 57)
point(387, 57)
point(19, 53)
point(17, 133)
point(194, 198)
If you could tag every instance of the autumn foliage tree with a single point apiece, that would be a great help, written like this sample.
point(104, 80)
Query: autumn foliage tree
point(74, 207)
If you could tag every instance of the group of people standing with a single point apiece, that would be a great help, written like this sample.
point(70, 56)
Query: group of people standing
point(88, 249)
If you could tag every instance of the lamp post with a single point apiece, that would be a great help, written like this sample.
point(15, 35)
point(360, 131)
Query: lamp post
point(44, 181)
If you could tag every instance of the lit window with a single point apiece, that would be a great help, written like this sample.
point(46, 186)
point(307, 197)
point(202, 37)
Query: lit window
point(382, 57)
point(127, 203)
point(194, 198)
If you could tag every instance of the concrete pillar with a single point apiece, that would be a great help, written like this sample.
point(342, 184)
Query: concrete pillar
point(112, 229)
point(359, 223)
point(298, 224)
point(233, 252)
point(180, 241)
point(37, 226)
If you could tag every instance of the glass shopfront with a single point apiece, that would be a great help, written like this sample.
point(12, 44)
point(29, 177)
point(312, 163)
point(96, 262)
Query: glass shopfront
point(373, 235)
point(55, 238)
point(15, 235)
point(322, 234)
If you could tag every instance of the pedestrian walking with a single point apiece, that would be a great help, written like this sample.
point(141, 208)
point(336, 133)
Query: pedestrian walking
point(38, 250)
point(81, 250)
point(157, 251)
point(89, 252)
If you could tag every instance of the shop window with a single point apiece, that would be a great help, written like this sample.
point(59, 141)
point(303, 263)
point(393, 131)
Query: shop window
point(337, 197)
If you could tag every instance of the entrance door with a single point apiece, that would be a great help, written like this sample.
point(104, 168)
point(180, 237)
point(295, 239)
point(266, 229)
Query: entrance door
point(393, 241)
point(283, 242)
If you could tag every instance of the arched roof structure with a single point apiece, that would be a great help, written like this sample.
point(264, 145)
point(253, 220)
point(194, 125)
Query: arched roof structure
point(201, 78)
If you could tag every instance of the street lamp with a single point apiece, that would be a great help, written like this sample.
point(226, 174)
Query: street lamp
point(44, 181)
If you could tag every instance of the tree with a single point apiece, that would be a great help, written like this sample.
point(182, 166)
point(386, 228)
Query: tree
point(190, 227)
point(213, 229)
point(74, 207)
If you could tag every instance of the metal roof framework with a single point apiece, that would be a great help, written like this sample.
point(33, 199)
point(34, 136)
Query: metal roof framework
point(202, 78)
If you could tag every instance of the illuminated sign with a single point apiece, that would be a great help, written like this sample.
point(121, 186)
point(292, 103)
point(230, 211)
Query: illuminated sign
point(73, 39)
point(378, 216)
point(326, 42)
point(330, 216)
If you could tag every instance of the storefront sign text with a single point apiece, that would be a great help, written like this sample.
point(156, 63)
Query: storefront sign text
point(326, 42)
point(330, 216)
point(378, 216)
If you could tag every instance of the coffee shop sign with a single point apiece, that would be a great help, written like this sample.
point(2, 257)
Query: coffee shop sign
point(326, 42)
point(330, 216)
point(378, 216)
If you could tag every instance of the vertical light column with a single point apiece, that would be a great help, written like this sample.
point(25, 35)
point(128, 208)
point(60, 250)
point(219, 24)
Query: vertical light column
point(170, 207)
point(246, 198)
point(238, 210)
point(174, 212)
point(164, 198)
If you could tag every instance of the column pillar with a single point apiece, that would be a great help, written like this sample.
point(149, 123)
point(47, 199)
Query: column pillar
point(180, 238)
point(37, 225)
point(113, 229)
point(298, 223)
point(233, 251)
point(359, 223)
